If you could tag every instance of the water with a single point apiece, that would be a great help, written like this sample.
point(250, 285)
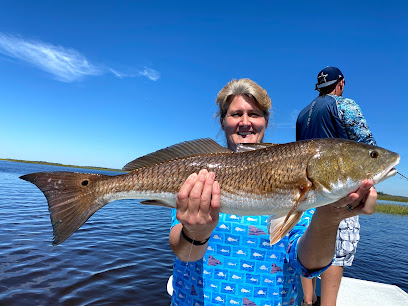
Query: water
point(392, 202)
point(121, 255)
point(382, 251)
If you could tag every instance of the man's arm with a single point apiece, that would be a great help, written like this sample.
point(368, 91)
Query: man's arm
point(356, 125)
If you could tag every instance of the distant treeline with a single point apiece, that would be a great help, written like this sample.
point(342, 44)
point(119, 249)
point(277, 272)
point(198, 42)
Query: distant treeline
point(388, 197)
point(57, 164)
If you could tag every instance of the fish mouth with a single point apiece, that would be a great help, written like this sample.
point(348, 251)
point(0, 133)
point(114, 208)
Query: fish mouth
point(382, 177)
point(388, 172)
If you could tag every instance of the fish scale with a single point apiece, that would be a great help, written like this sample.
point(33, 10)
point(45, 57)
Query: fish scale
point(282, 180)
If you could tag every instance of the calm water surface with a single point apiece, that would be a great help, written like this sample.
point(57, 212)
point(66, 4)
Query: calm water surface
point(121, 255)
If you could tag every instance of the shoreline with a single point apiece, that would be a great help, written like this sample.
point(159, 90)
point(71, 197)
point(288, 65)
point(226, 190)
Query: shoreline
point(60, 165)
point(389, 197)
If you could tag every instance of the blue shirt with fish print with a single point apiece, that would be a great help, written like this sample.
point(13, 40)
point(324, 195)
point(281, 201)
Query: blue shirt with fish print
point(240, 267)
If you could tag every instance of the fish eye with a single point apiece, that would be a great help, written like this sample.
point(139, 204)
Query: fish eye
point(374, 154)
point(85, 182)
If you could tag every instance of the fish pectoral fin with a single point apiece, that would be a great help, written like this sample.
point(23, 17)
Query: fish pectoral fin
point(303, 190)
point(278, 228)
point(157, 203)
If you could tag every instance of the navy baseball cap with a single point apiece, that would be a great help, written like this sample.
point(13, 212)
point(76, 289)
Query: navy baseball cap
point(328, 76)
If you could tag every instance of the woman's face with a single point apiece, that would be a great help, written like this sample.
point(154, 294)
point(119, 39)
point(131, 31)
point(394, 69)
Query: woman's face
point(244, 122)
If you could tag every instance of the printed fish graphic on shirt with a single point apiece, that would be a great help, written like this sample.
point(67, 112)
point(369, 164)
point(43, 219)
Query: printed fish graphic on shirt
point(248, 302)
point(253, 230)
point(275, 269)
point(212, 261)
point(282, 180)
point(193, 291)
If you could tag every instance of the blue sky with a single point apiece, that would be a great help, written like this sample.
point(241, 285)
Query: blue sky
point(100, 83)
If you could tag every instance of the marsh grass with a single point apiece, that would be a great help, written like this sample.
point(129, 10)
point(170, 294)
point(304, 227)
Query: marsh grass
point(392, 209)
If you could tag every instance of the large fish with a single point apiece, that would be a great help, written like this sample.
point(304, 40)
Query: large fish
point(282, 180)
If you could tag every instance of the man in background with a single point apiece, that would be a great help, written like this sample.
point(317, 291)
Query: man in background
point(331, 115)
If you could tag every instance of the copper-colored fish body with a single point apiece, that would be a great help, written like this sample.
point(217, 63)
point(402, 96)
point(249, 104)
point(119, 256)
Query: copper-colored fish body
point(281, 180)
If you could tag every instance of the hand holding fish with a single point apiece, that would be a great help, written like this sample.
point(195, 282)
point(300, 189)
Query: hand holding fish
point(360, 202)
point(367, 205)
point(198, 206)
point(326, 220)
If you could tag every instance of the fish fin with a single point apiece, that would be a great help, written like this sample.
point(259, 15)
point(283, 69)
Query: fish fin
point(70, 197)
point(180, 150)
point(245, 147)
point(278, 228)
point(157, 203)
point(303, 190)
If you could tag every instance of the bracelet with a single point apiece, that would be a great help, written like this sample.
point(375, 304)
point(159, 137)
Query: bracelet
point(192, 241)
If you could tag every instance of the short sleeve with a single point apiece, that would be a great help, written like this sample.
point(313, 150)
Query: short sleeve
point(174, 220)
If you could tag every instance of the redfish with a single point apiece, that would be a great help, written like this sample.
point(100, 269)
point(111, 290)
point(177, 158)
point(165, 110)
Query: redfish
point(282, 180)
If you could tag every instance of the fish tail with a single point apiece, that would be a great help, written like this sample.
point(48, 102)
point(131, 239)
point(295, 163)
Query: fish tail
point(279, 227)
point(72, 199)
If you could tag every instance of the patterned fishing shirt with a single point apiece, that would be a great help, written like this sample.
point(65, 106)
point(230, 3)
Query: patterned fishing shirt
point(240, 267)
point(333, 116)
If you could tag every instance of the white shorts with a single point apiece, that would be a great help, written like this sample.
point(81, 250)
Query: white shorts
point(348, 236)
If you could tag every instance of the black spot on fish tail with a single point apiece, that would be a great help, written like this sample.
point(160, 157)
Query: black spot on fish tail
point(71, 199)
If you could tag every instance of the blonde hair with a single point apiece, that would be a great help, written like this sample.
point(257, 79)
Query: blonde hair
point(243, 87)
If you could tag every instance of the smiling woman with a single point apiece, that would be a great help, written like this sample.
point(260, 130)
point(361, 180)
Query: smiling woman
point(244, 122)
point(244, 112)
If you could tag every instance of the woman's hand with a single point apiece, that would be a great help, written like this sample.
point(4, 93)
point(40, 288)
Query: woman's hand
point(360, 202)
point(198, 205)
point(317, 246)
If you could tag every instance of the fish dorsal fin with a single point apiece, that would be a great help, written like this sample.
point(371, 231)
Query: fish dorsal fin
point(180, 150)
point(245, 147)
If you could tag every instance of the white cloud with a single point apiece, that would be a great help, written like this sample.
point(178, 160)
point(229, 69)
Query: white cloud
point(150, 74)
point(117, 73)
point(65, 64)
